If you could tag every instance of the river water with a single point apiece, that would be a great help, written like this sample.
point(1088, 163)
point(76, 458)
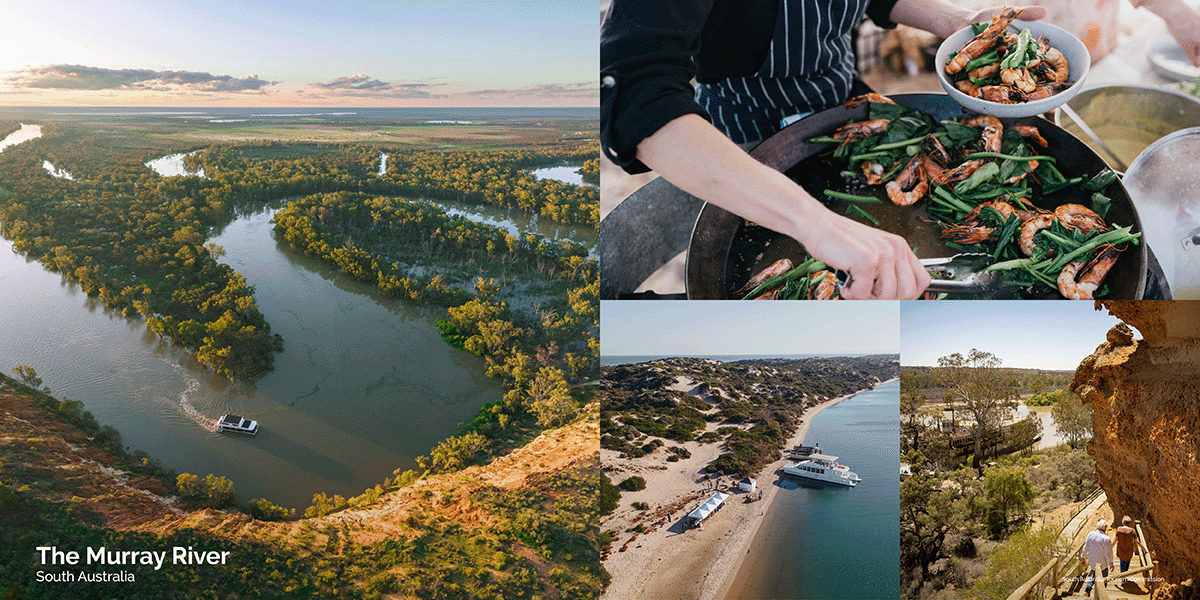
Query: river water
point(819, 541)
point(364, 383)
point(515, 222)
point(24, 134)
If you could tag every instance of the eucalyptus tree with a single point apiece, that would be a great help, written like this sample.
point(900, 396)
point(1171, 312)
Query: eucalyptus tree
point(982, 389)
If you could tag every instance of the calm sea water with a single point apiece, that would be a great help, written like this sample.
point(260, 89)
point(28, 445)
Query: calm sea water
point(835, 542)
point(628, 359)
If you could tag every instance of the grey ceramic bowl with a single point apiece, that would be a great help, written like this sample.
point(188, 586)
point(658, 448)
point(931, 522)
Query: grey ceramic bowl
point(1072, 48)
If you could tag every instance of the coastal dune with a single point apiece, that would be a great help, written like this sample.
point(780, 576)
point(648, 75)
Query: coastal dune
point(664, 560)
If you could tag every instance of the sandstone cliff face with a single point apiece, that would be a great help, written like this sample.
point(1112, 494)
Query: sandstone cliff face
point(1145, 396)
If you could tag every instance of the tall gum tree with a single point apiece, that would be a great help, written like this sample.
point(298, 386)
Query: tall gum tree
point(983, 389)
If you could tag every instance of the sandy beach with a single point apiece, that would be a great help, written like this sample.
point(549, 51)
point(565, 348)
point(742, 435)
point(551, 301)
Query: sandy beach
point(664, 561)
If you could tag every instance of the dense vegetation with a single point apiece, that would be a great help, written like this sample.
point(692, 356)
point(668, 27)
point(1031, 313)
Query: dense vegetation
point(960, 530)
point(926, 380)
point(137, 240)
point(538, 540)
point(754, 405)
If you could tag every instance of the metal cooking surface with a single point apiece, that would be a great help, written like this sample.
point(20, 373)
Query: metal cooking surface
point(726, 250)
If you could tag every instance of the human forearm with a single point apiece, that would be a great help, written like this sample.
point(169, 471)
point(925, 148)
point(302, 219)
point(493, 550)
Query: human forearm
point(935, 16)
point(693, 155)
point(690, 153)
point(1182, 21)
point(943, 18)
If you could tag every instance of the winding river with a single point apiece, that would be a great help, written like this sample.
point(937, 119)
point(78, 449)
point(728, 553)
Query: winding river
point(364, 383)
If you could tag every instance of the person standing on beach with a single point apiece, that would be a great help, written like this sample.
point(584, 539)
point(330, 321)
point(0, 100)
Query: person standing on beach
point(758, 63)
point(1127, 540)
point(1097, 550)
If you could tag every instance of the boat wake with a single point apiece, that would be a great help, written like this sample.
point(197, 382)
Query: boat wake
point(185, 404)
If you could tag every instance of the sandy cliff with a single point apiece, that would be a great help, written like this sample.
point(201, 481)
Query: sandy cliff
point(1145, 396)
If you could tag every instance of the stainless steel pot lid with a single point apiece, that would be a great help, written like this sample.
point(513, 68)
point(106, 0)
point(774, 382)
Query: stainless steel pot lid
point(1163, 184)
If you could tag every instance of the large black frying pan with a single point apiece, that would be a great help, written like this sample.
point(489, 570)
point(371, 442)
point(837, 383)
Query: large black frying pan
point(725, 250)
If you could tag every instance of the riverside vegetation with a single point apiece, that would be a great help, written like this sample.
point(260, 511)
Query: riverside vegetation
point(138, 242)
point(980, 531)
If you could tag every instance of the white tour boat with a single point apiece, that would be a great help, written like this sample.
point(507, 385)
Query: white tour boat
point(823, 467)
point(237, 424)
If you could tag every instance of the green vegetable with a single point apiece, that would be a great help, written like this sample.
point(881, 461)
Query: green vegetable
point(1101, 204)
point(1102, 180)
point(1016, 59)
point(807, 267)
point(977, 28)
point(858, 212)
point(1010, 157)
point(980, 61)
point(985, 173)
point(851, 197)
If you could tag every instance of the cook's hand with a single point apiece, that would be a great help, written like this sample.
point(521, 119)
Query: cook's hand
point(1025, 13)
point(880, 264)
point(942, 17)
point(1182, 21)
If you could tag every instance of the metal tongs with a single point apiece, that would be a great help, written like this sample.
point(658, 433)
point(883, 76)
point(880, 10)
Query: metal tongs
point(958, 274)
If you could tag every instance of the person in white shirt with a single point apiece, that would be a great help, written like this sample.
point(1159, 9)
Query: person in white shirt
point(1097, 550)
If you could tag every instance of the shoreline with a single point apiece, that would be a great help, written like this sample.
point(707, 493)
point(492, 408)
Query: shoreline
point(703, 565)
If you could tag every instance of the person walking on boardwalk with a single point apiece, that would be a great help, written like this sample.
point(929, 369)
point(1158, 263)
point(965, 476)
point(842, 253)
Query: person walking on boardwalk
point(1127, 540)
point(1097, 550)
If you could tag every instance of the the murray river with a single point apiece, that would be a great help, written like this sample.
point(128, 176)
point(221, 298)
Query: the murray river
point(364, 383)
point(835, 542)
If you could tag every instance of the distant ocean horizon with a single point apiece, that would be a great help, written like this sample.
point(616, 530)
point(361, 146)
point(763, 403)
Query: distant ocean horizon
point(449, 115)
point(628, 359)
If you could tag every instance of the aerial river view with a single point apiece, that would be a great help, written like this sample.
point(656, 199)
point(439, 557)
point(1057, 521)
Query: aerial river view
point(364, 384)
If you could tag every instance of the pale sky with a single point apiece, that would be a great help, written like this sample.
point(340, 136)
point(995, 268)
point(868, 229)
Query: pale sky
point(705, 328)
point(1027, 334)
point(316, 53)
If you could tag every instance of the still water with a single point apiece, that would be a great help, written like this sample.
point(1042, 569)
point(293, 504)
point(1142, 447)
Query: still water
point(515, 222)
point(364, 383)
point(819, 541)
point(24, 134)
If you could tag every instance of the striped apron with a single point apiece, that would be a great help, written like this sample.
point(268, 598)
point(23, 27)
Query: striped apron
point(809, 67)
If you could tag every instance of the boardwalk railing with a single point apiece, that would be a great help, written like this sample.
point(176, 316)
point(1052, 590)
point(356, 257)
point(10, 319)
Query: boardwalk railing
point(1067, 567)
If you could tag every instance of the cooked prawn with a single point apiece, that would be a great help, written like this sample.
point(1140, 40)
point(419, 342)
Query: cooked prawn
point(1029, 228)
point(1079, 281)
point(985, 71)
point(861, 129)
point(1058, 62)
point(1018, 78)
point(965, 86)
point(873, 171)
point(776, 269)
point(1001, 94)
point(983, 42)
point(1076, 216)
point(826, 288)
point(1031, 132)
point(934, 148)
point(869, 97)
point(958, 173)
point(967, 234)
point(1045, 91)
point(911, 176)
point(993, 129)
point(1005, 209)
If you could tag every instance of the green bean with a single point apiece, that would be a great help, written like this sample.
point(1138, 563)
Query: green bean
point(1009, 156)
point(852, 197)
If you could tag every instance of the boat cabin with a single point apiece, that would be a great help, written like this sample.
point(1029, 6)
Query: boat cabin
point(237, 424)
